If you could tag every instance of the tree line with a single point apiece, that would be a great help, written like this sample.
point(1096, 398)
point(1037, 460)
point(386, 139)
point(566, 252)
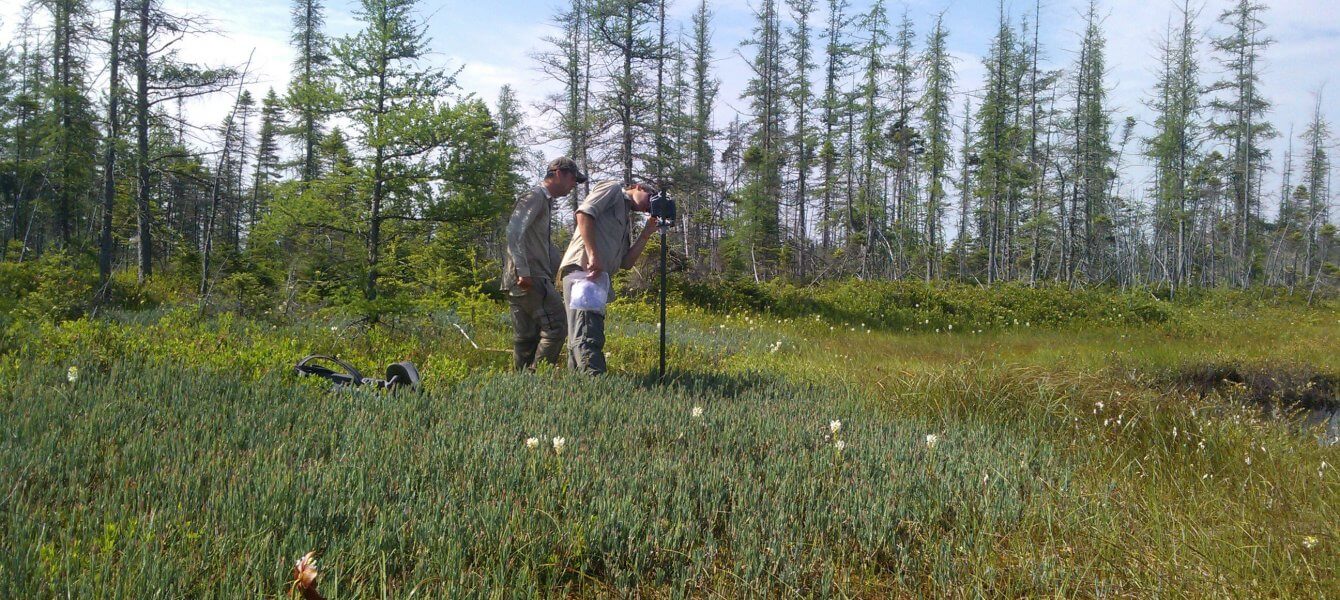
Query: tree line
point(847, 157)
point(372, 177)
point(370, 172)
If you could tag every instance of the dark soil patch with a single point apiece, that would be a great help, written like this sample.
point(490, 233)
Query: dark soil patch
point(1272, 387)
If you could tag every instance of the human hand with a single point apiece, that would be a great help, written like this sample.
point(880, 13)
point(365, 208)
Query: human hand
point(594, 268)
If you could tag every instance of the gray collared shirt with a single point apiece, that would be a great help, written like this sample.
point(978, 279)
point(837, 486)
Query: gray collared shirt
point(530, 248)
point(610, 207)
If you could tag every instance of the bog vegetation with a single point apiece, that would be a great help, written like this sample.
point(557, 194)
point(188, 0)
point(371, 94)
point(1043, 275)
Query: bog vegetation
point(889, 442)
point(925, 340)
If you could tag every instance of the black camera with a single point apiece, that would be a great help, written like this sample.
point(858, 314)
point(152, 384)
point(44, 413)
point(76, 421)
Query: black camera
point(663, 208)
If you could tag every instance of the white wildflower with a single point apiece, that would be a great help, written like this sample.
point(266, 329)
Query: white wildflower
point(558, 444)
point(1310, 541)
point(697, 412)
point(840, 445)
point(72, 374)
point(835, 426)
point(932, 440)
point(532, 442)
point(1248, 460)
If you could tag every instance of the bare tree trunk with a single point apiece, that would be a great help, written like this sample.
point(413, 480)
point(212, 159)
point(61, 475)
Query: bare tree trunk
point(109, 157)
point(145, 219)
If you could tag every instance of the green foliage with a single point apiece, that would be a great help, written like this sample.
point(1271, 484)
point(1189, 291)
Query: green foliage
point(923, 307)
point(752, 496)
point(182, 458)
point(52, 288)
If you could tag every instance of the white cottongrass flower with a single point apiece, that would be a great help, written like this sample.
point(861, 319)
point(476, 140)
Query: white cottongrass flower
point(835, 426)
point(72, 374)
point(1097, 406)
point(840, 445)
point(558, 444)
point(532, 442)
point(777, 346)
point(697, 412)
point(932, 440)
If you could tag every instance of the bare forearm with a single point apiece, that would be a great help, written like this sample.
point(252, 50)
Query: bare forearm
point(586, 226)
point(635, 252)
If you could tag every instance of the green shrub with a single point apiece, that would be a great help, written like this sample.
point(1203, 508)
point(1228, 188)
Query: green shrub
point(52, 288)
point(902, 305)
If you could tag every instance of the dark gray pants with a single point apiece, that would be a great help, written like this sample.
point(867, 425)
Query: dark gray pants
point(586, 338)
point(539, 324)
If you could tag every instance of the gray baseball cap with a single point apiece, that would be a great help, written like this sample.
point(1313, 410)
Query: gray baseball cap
point(564, 163)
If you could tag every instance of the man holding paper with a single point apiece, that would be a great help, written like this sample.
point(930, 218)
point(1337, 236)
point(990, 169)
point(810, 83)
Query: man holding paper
point(602, 245)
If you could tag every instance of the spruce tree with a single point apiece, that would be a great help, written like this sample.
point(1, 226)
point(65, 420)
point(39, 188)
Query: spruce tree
point(1093, 146)
point(836, 51)
point(395, 102)
point(1242, 124)
point(759, 234)
point(937, 70)
point(801, 98)
point(309, 92)
point(268, 157)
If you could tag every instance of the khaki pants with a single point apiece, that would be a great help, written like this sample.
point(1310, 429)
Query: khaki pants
point(586, 338)
point(539, 324)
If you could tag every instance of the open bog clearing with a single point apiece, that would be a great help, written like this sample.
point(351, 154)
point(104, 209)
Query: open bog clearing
point(166, 455)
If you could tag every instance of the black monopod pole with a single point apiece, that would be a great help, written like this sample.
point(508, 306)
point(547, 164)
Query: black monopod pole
point(663, 227)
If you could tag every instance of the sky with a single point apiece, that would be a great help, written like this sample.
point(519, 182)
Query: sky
point(493, 41)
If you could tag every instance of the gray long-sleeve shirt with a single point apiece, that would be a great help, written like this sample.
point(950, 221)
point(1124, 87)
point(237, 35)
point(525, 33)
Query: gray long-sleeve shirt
point(530, 248)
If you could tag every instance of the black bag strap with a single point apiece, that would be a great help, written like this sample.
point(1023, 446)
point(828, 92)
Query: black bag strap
point(307, 366)
point(401, 374)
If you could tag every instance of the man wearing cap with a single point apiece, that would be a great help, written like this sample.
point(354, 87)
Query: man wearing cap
point(530, 265)
point(602, 245)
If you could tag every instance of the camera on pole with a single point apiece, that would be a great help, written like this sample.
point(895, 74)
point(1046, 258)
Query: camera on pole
point(663, 208)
